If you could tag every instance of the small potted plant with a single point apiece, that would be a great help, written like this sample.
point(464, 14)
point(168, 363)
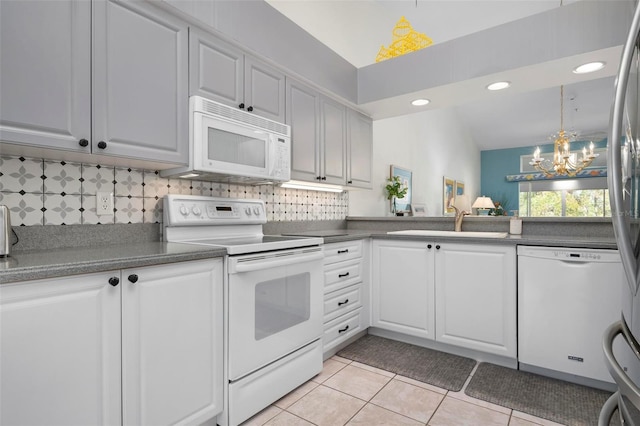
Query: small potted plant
point(395, 189)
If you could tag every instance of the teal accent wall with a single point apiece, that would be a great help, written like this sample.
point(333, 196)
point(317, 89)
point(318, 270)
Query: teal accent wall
point(497, 163)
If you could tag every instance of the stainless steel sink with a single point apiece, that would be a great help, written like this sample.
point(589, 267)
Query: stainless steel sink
point(462, 234)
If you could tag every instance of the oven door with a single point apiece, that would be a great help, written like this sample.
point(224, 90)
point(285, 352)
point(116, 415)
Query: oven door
point(275, 306)
point(222, 146)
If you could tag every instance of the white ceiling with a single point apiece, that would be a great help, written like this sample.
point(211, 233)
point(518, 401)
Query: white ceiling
point(519, 116)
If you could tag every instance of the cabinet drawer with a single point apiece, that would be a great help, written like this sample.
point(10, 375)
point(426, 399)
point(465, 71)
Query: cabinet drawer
point(342, 275)
point(340, 329)
point(342, 301)
point(337, 252)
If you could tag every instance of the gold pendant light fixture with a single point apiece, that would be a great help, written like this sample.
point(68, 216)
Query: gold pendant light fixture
point(565, 163)
point(405, 40)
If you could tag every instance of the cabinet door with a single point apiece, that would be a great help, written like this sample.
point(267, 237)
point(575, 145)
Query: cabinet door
point(140, 82)
point(264, 89)
point(333, 132)
point(476, 304)
point(359, 150)
point(216, 69)
point(303, 112)
point(172, 343)
point(402, 287)
point(204, 11)
point(45, 80)
point(60, 351)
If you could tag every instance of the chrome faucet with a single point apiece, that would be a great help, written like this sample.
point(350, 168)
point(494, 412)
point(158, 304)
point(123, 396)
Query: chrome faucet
point(460, 214)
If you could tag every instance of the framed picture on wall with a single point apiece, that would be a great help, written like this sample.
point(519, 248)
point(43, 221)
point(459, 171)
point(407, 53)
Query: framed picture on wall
point(403, 204)
point(459, 188)
point(448, 192)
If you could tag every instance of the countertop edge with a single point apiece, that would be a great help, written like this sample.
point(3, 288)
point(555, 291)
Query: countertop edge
point(548, 241)
point(45, 270)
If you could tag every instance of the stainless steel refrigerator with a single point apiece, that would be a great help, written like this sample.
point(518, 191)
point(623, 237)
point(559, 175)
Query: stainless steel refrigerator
point(623, 171)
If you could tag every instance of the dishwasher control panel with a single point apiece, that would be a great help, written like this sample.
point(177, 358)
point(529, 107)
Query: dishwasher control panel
point(576, 255)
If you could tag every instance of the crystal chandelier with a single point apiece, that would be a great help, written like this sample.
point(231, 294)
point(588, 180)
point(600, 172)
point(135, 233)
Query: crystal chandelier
point(565, 163)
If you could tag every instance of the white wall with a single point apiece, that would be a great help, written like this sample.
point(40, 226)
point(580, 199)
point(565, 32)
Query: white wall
point(431, 144)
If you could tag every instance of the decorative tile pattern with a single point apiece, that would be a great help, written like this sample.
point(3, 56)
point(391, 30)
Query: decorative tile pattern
point(47, 192)
point(21, 174)
point(62, 178)
point(97, 178)
point(26, 209)
point(62, 209)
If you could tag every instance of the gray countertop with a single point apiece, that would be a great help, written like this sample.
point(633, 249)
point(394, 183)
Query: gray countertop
point(531, 240)
point(56, 262)
point(38, 264)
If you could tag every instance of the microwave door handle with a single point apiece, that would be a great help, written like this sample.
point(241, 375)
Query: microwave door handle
point(271, 155)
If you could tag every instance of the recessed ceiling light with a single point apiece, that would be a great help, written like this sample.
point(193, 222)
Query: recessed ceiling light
point(420, 102)
point(499, 85)
point(589, 67)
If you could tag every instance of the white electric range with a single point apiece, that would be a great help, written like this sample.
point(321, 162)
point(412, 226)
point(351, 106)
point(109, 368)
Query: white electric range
point(273, 298)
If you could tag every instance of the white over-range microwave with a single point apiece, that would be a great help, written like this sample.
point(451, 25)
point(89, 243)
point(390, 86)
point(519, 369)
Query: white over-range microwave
point(235, 146)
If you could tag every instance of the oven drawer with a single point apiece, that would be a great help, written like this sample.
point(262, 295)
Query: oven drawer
point(340, 329)
point(341, 275)
point(337, 252)
point(342, 301)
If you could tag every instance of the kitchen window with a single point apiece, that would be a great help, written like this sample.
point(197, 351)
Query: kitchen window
point(584, 197)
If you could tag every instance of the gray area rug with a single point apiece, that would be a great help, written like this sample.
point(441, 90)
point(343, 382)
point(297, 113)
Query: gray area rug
point(436, 368)
point(540, 396)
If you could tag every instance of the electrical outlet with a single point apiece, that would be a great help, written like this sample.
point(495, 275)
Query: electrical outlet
point(104, 203)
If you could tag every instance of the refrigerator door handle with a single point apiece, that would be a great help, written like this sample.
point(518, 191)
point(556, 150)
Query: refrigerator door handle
point(619, 216)
point(609, 407)
point(625, 384)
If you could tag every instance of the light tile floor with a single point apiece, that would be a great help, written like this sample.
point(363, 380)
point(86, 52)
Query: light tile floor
point(351, 393)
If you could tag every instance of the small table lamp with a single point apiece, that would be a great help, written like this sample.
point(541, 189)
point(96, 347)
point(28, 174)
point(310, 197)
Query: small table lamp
point(483, 204)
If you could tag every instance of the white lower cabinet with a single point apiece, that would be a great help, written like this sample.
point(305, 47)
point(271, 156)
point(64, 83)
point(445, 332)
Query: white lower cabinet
point(476, 297)
point(137, 346)
point(402, 285)
point(459, 294)
point(345, 295)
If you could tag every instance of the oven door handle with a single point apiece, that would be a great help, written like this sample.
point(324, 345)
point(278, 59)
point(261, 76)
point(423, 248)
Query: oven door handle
point(255, 264)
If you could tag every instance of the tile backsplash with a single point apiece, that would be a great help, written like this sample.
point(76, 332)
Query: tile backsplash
point(45, 192)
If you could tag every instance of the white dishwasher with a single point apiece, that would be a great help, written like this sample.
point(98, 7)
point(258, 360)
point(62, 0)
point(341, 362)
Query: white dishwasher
point(566, 299)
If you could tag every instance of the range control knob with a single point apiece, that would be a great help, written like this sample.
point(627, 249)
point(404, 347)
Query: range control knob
point(196, 210)
point(256, 210)
point(184, 211)
point(247, 210)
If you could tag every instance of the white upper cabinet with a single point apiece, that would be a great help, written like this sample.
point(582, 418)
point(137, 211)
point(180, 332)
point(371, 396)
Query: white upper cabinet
point(118, 88)
point(359, 149)
point(140, 82)
point(333, 141)
point(223, 73)
point(319, 137)
point(45, 73)
point(303, 112)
